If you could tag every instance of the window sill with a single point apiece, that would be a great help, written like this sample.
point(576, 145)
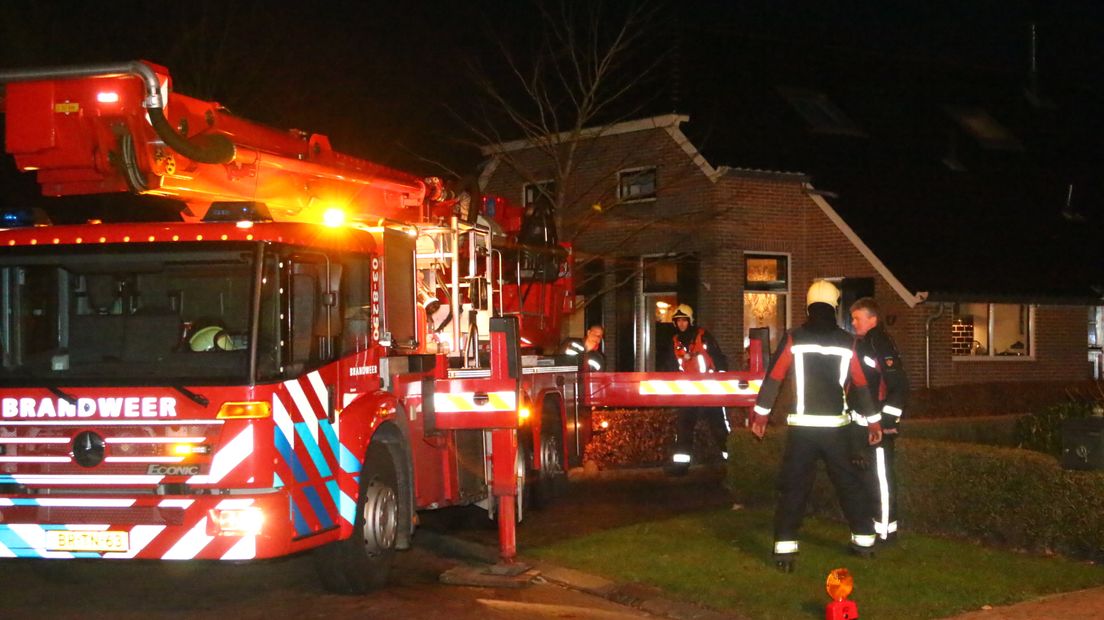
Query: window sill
point(629, 201)
point(992, 358)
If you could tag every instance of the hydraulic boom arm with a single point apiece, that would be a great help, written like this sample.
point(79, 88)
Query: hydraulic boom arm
point(119, 127)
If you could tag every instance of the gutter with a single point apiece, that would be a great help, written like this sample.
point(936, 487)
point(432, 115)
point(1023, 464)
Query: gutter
point(927, 342)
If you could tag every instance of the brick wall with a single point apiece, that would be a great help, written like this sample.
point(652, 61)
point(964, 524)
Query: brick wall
point(748, 212)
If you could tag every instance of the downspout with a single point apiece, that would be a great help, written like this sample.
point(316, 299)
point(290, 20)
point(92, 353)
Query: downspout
point(208, 149)
point(927, 343)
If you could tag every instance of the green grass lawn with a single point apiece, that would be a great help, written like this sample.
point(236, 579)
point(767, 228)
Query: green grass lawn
point(721, 559)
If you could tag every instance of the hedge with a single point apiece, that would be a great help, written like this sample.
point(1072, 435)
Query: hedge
point(996, 398)
point(1006, 496)
point(994, 430)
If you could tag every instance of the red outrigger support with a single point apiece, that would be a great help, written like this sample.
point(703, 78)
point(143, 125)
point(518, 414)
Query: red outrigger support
point(677, 389)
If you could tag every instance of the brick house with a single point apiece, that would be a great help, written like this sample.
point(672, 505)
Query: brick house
point(655, 224)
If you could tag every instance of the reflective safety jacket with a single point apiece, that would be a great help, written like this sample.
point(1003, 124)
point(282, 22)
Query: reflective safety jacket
point(888, 384)
point(575, 349)
point(697, 351)
point(823, 359)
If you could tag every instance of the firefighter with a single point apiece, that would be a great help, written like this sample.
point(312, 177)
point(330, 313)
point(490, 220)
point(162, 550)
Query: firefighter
point(822, 357)
point(588, 350)
point(888, 386)
point(695, 350)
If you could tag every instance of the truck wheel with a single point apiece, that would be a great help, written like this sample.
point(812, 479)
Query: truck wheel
point(553, 477)
point(362, 562)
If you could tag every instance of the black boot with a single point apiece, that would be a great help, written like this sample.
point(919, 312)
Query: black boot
point(862, 552)
point(785, 562)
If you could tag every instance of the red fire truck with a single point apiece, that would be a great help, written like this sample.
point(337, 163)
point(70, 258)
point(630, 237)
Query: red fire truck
point(319, 347)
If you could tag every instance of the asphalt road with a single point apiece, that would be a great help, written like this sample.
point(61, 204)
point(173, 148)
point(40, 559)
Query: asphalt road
point(288, 588)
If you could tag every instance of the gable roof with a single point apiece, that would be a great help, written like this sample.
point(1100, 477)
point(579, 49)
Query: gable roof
point(955, 181)
point(670, 123)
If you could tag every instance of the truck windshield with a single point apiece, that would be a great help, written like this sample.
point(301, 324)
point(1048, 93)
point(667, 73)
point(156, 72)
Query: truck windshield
point(128, 315)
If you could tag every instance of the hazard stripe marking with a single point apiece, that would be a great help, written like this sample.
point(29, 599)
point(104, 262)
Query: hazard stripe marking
point(191, 543)
point(453, 402)
point(228, 457)
point(705, 387)
point(306, 412)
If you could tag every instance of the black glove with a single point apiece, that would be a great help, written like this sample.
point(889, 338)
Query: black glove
point(858, 445)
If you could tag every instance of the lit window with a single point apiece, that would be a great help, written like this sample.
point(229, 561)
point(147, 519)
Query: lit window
point(820, 113)
point(637, 184)
point(766, 294)
point(992, 330)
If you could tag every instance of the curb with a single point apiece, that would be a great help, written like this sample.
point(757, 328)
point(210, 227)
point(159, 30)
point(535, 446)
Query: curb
point(637, 596)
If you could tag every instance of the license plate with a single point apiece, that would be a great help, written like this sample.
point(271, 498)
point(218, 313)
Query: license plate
point(87, 540)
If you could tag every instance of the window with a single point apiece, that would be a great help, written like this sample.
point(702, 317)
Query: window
point(542, 193)
point(992, 330)
point(766, 294)
point(636, 184)
point(820, 113)
point(1096, 340)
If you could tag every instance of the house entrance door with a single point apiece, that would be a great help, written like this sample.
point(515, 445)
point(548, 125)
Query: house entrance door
point(656, 331)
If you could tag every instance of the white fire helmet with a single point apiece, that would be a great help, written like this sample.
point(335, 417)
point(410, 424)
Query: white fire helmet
point(823, 291)
point(683, 311)
point(210, 338)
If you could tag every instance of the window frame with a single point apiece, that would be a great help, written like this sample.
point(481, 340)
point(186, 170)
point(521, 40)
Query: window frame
point(990, 356)
point(630, 172)
point(525, 202)
point(776, 339)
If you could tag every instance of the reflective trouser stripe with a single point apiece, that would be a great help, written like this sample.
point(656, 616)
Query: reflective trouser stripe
point(680, 457)
point(883, 490)
point(821, 421)
point(885, 531)
point(863, 540)
point(891, 410)
point(786, 546)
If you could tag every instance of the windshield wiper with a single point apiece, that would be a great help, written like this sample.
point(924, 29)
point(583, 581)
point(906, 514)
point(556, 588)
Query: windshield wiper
point(198, 399)
point(67, 397)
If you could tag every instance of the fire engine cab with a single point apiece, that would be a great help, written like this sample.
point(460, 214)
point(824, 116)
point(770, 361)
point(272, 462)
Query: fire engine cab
point(317, 347)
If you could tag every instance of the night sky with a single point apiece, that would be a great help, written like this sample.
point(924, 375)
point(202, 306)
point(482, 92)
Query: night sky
point(389, 81)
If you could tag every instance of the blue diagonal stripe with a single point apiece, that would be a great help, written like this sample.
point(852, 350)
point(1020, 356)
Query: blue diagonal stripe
point(301, 527)
point(313, 450)
point(286, 451)
point(319, 508)
point(346, 460)
point(15, 542)
point(346, 507)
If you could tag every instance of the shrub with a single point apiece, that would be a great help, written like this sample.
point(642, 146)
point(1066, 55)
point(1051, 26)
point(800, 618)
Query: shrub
point(643, 437)
point(1042, 431)
point(1006, 496)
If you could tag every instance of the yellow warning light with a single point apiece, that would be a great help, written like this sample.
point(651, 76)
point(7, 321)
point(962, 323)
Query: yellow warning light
point(188, 449)
point(524, 412)
point(333, 217)
point(244, 410)
point(238, 521)
point(839, 584)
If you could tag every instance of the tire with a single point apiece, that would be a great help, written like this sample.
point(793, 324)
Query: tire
point(552, 478)
point(362, 562)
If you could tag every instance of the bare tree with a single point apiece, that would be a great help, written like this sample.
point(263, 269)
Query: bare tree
point(581, 69)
